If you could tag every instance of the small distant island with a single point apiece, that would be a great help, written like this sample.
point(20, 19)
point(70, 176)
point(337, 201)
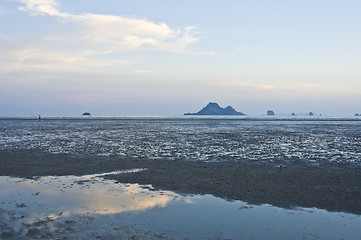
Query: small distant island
point(215, 109)
point(270, 113)
point(86, 114)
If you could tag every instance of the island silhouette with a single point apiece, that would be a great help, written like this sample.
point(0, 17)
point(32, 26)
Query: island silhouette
point(270, 113)
point(214, 109)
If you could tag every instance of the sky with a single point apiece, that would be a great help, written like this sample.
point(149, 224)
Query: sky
point(166, 58)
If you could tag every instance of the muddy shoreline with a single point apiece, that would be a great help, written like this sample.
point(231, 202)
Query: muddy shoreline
point(329, 186)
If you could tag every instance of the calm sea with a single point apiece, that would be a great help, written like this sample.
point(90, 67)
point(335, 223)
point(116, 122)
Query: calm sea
point(314, 141)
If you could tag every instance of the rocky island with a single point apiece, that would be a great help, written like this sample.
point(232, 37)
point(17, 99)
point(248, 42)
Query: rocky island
point(270, 113)
point(215, 109)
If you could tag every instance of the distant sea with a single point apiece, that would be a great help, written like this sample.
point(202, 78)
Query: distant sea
point(314, 140)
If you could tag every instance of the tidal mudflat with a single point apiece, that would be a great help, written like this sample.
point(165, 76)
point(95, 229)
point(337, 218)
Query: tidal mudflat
point(180, 178)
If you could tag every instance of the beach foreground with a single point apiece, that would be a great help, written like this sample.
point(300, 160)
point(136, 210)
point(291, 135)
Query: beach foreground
point(140, 178)
point(91, 207)
point(331, 186)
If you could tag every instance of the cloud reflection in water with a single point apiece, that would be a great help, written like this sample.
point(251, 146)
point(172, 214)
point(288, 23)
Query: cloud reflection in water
point(68, 195)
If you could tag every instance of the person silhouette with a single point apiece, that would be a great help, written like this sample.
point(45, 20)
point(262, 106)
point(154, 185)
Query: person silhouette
point(39, 117)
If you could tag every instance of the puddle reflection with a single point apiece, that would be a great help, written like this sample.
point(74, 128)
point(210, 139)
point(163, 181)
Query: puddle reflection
point(91, 207)
point(79, 195)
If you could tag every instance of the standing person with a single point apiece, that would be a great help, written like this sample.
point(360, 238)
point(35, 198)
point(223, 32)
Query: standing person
point(39, 117)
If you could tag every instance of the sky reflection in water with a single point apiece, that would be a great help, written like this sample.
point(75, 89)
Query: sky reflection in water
point(90, 206)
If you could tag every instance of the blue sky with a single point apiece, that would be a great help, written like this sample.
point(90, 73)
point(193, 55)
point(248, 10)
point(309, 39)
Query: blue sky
point(146, 57)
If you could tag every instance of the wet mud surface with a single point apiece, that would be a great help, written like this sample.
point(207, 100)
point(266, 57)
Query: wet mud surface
point(283, 163)
point(331, 186)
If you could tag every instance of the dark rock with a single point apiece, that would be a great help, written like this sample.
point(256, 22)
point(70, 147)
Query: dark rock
point(270, 113)
point(357, 115)
point(310, 113)
point(215, 109)
point(86, 114)
point(293, 114)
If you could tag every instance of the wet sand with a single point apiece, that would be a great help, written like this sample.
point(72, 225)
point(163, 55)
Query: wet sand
point(329, 186)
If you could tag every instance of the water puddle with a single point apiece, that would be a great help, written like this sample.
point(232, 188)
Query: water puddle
point(89, 207)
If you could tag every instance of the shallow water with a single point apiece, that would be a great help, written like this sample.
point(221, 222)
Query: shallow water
point(314, 142)
point(91, 207)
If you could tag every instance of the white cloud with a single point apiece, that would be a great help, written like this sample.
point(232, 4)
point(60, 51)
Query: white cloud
point(33, 57)
point(114, 33)
point(248, 87)
point(236, 85)
point(118, 33)
point(79, 41)
point(42, 7)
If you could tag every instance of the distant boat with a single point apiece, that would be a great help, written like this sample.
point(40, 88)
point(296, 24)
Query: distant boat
point(86, 114)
